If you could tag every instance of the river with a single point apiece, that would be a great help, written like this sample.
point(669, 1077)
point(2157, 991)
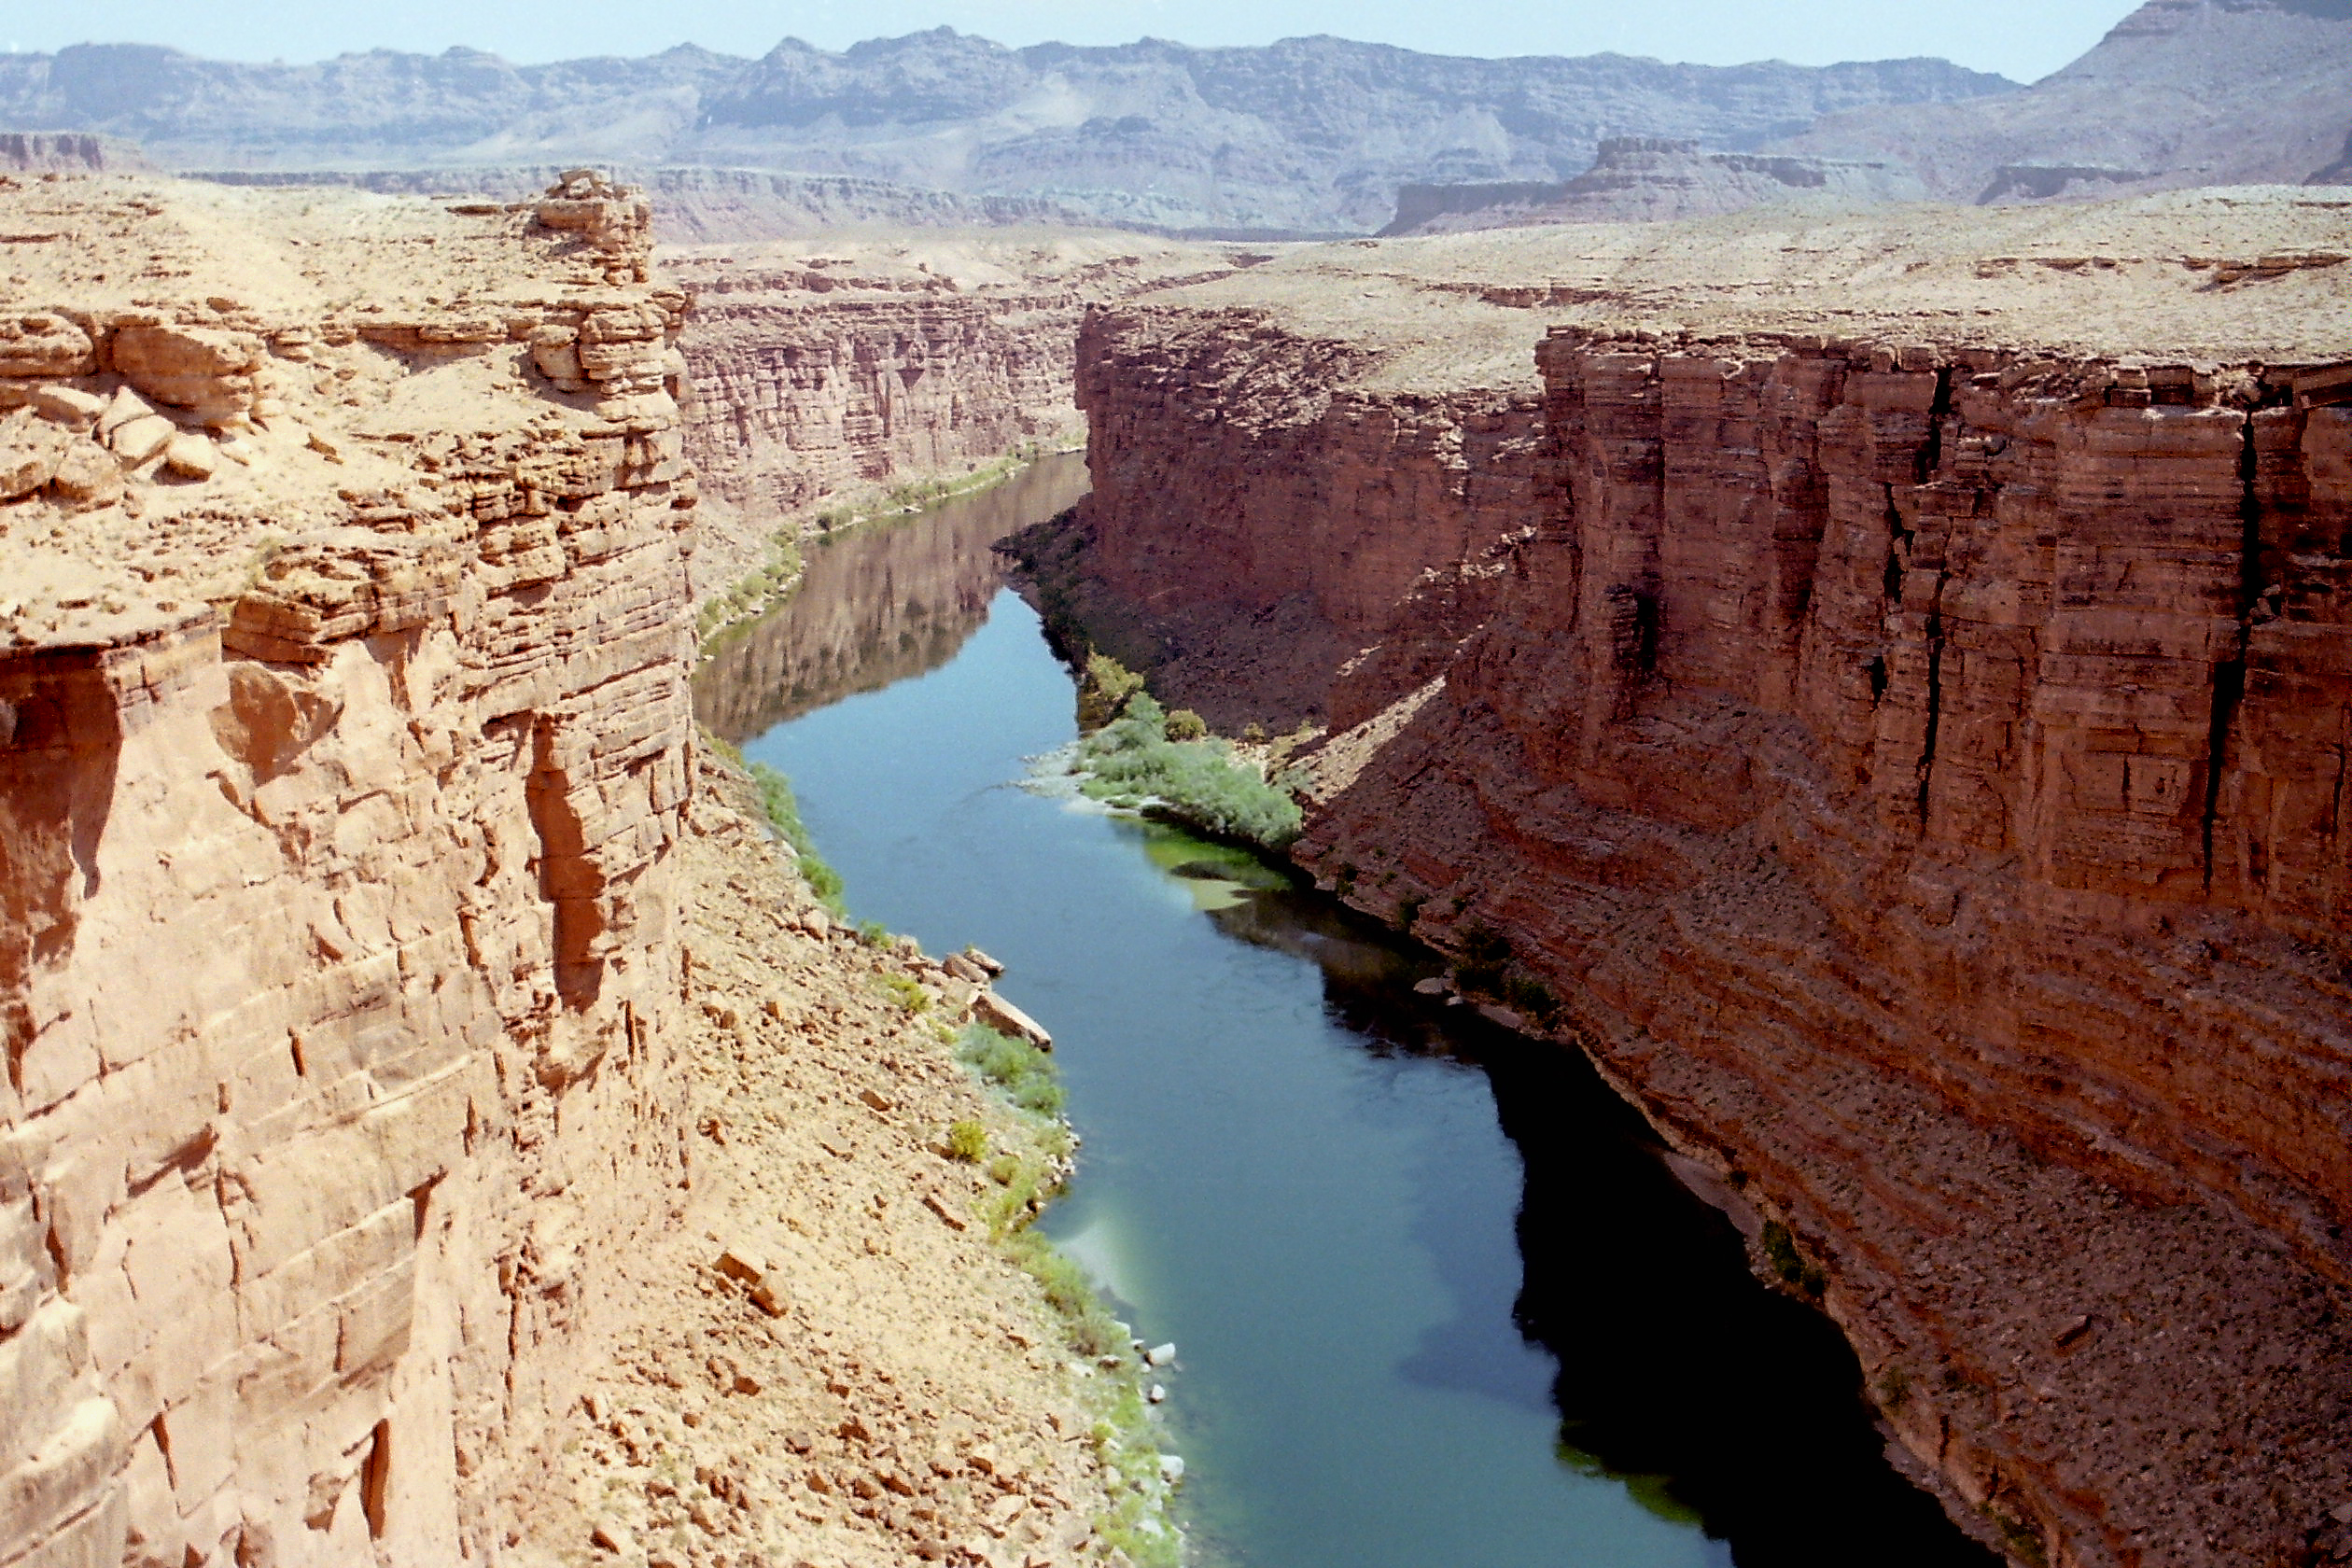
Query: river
point(1439, 1302)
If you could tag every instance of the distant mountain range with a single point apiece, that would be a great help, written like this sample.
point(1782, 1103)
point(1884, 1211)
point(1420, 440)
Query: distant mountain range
point(1311, 135)
point(2183, 92)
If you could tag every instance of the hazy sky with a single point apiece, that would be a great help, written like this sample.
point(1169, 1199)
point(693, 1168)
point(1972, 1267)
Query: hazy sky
point(2020, 38)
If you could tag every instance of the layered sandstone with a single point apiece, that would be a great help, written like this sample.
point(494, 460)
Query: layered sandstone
point(345, 669)
point(1908, 743)
point(826, 377)
point(363, 1012)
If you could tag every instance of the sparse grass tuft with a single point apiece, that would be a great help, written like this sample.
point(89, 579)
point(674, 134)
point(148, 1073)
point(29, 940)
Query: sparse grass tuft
point(782, 810)
point(907, 992)
point(1025, 1074)
point(967, 1141)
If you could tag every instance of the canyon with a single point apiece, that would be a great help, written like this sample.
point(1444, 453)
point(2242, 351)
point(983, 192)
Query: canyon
point(431, 1097)
point(1876, 684)
point(1901, 740)
point(829, 381)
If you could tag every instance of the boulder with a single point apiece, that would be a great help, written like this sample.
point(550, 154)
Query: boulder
point(142, 439)
point(751, 1268)
point(1005, 1018)
point(30, 453)
point(68, 405)
point(189, 456)
point(208, 370)
point(86, 474)
point(127, 406)
point(45, 346)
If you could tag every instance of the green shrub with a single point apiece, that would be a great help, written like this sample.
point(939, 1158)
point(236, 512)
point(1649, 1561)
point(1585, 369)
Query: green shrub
point(1196, 780)
point(1104, 690)
point(1780, 1251)
point(1531, 999)
point(1184, 724)
point(905, 991)
point(1255, 733)
point(1893, 1389)
point(967, 1141)
point(783, 812)
point(1025, 1074)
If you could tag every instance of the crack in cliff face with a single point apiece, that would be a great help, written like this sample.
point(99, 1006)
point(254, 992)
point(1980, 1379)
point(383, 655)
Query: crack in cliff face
point(2229, 676)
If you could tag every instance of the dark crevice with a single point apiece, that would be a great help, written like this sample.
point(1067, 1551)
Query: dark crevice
point(1935, 709)
point(375, 1480)
point(1931, 449)
point(1899, 539)
point(2229, 676)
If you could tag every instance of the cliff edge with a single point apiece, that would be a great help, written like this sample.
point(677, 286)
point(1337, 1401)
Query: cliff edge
point(404, 1028)
point(1881, 686)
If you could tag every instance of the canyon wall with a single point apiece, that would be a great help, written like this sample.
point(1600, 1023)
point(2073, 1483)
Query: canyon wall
point(838, 373)
point(346, 741)
point(1906, 750)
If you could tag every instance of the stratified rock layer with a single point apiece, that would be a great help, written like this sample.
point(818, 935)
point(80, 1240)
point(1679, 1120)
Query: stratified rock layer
point(1911, 761)
point(346, 734)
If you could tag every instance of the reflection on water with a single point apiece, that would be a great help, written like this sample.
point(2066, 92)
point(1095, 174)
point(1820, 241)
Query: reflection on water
point(887, 601)
point(1439, 1303)
point(1711, 1402)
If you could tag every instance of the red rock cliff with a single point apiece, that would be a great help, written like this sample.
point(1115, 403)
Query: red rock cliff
point(837, 374)
point(1911, 764)
point(342, 696)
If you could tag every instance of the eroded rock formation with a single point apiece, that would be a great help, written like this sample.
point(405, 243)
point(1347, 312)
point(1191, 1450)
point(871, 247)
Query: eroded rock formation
point(345, 752)
point(2181, 92)
point(378, 983)
point(1906, 752)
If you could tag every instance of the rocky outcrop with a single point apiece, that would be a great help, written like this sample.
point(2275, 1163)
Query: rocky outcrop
point(338, 968)
point(1649, 179)
point(439, 1123)
point(1907, 762)
point(1306, 136)
point(834, 377)
point(2180, 93)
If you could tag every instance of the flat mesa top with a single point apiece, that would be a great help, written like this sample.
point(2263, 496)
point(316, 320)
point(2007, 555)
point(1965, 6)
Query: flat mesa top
point(2236, 276)
point(301, 351)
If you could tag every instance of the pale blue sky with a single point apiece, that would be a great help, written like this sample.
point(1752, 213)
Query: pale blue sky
point(2021, 38)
